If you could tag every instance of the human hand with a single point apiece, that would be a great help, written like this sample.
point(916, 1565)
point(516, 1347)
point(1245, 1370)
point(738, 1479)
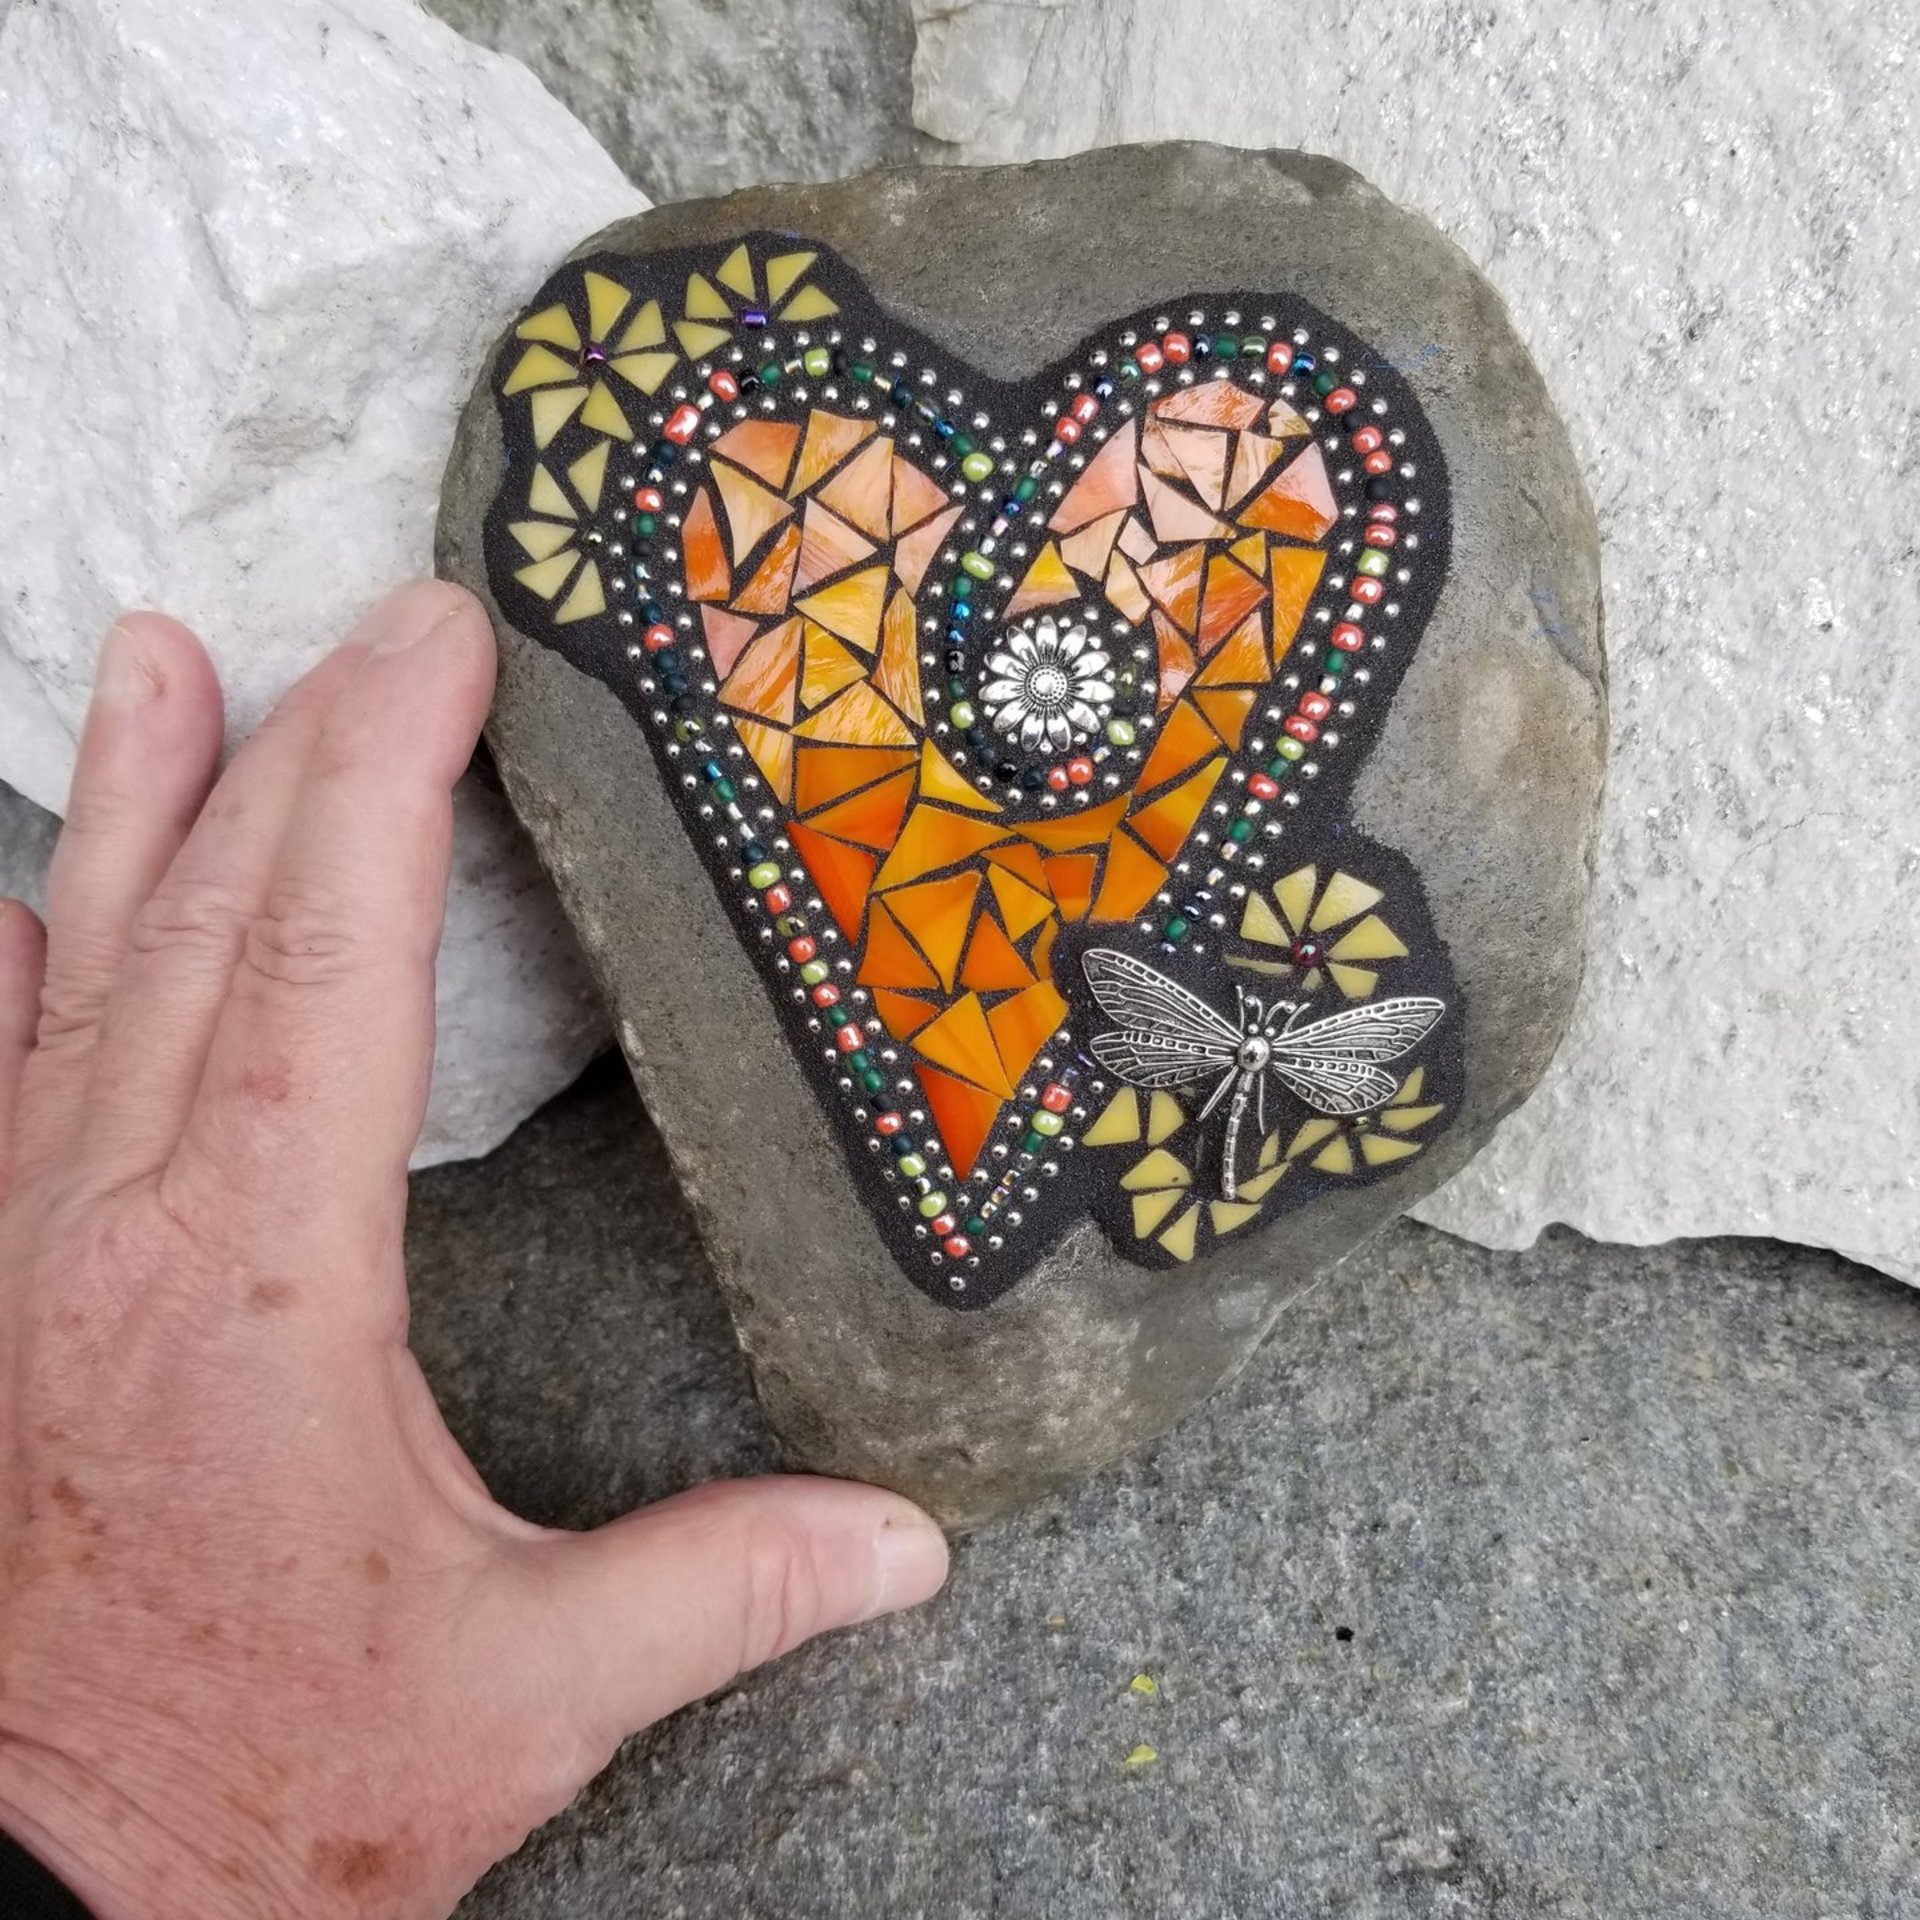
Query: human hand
point(267, 1647)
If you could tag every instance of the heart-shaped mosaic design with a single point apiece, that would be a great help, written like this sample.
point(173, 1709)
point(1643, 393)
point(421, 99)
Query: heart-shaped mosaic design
point(1015, 723)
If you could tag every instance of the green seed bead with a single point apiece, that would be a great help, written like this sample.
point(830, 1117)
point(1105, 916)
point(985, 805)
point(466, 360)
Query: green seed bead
point(1026, 489)
point(978, 565)
point(814, 972)
point(686, 731)
point(873, 1080)
point(962, 586)
point(763, 875)
point(1130, 369)
point(976, 1223)
point(863, 373)
point(1325, 382)
point(913, 1165)
point(771, 373)
point(1372, 561)
point(644, 524)
point(1176, 928)
point(977, 466)
point(724, 790)
point(962, 715)
point(1279, 769)
point(962, 444)
point(1031, 1142)
point(790, 926)
point(1122, 732)
point(1335, 663)
point(1047, 1123)
point(1240, 832)
point(1225, 346)
point(932, 1205)
point(1290, 750)
point(1253, 348)
point(837, 1016)
point(817, 361)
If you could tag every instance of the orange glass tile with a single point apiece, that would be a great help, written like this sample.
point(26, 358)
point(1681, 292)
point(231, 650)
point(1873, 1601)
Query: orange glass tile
point(1298, 501)
point(1111, 480)
point(1136, 542)
point(703, 558)
point(963, 1116)
point(1177, 662)
point(1021, 859)
point(857, 718)
point(1211, 403)
point(763, 447)
point(1242, 661)
point(890, 958)
point(1201, 455)
point(1023, 1025)
point(827, 546)
point(1164, 825)
point(938, 914)
point(1185, 740)
point(914, 552)
point(1089, 550)
point(842, 873)
point(939, 780)
point(753, 511)
point(961, 1041)
point(772, 584)
point(727, 635)
point(1175, 517)
point(1124, 591)
point(827, 774)
point(861, 493)
point(1070, 878)
point(932, 838)
point(897, 671)
point(1046, 583)
point(1296, 575)
point(767, 675)
point(1084, 829)
point(851, 607)
point(1228, 710)
point(915, 495)
point(830, 438)
point(1231, 594)
point(1021, 907)
point(1284, 423)
point(1251, 553)
point(1131, 879)
point(903, 1014)
point(1157, 451)
point(1043, 941)
point(830, 665)
point(869, 819)
point(772, 751)
point(992, 964)
point(1175, 584)
point(1253, 454)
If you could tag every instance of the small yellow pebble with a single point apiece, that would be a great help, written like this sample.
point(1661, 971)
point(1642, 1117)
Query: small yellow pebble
point(1143, 1756)
point(1144, 1683)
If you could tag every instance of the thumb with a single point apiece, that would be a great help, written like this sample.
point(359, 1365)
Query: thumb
point(679, 1598)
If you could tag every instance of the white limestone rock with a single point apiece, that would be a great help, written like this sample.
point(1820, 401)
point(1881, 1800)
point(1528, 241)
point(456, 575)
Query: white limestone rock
point(252, 259)
point(1702, 219)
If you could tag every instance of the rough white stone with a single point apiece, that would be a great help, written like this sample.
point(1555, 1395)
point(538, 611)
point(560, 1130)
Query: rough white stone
point(252, 257)
point(1702, 216)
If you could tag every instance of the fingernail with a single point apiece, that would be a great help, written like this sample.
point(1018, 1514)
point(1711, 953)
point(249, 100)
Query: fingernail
point(124, 677)
point(412, 614)
point(910, 1559)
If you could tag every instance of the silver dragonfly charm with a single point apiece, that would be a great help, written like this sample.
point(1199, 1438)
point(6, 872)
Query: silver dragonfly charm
point(1169, 1037)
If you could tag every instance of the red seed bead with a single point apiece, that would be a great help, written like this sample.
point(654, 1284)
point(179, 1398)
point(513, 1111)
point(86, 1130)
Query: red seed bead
point(1149, 356)
point(1316, 706)
point(778, 899)
point(1347, 637)
point(657, 637)
point(1177, 347)
point(1383, 510)
point(957, 1246)
point(1368, 591)
point(682, 424)
point(1055, 1098)
point(945, 1223)
point(1057, 779)
point(1080, 770)
point(1067, 430)
point(888, 1124)
point(1084, 409)
point(802, 948)
point(1263, 786)
point(649, 499)
point(1368, 439)
point(826, 994)
point(1378, 463)
point(1303, 730)
point(1382, 533)
point(722, 385)
point(1280, 358)
point(851, 1038)
point(1342, 400)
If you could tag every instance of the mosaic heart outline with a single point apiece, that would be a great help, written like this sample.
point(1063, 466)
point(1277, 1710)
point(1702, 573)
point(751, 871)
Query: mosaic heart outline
point(734, 481)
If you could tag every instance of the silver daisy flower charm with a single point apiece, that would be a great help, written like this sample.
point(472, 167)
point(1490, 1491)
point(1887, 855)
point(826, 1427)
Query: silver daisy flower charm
point(1048, 686)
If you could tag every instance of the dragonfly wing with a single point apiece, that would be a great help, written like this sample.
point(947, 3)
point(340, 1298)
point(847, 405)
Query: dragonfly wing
point(1338, 1087)
point(1145, 1059)
point(1140, 997)
point(1335, 1064)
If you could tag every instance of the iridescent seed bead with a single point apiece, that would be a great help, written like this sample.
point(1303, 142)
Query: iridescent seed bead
point(978, 565)
point(1049, 1124)
point(1121, 731)
point(814, 972)
point(977, 466)
point(817, 361)
point(766, 874)
point(1253, 348)
point(913, 1165)
point(686, 730)
point(932, 1205)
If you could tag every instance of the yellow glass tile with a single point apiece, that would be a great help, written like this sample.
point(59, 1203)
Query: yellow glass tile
point(539, 367)
point(960, 1042)
point(859, 718)
point(704, 300)
point(589, 475)
point(698, 338)
point(830, 438)
point(1310, 1136)
point(772, 751)
point(1372, 939)
point(1410, 1088)
point(1149, 1209)
point(1165, 1117)
point(753, 511)
point(1229, 1214)
point(1355, 982)
point(808, 304)
point(783, 270)
point(1021, 908)
point(552, 324)
point(646, 329)
point(602, 413)
point(1296, 573)
point(1086, 829)
point(1262, 1184)
point(547, 577)
point(851, 607)
point(539, 539)
point(1046, 583)
point(897, 671)
point(1294, 895)
point(938, 913)
point(735, 272)
point(940, 781)
point(588, 598)
point(829, 667)
point(1179, 1238)
point(1269, 1150)
point(1405, 1119)
point(606, 302)
point(1376, 1150)
point(1345, 896)
point(1118, 1124)
point(1157, 1169)
point(1131, 878)
point(644, 370)
point(545, 495)
point(1335, 1157)
point(934, 838)
point(552, 409)
point(1251, 552)
point(1025, 1023)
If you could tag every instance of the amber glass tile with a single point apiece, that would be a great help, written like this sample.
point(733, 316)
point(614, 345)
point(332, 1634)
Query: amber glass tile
point(728, 636)
point(772, 750)
point(961, 1041)
point(861, 493)
point(1242, 661)
point(1086, 828)
point(1111, 480)
point(1185, 740)
point(771, 587)
point(763, 447)
point(752, 510)
point(938, 915)
point(1231, 594)
point(851, 607)
point(1210, 403)
point(827, 774)
point(1177, 661)
point(1298, 501)
point(828, 666)
point(1070, 878)
point(1131, 878)
point(869, 819)
point(830, 437)
point(828, 545)
point(1024, 1024)
point(934, 838)
point(1175, 582)
point(766, 677)
point(1165, 824)
point(703, 558)
point(992, 964)
point(941, 781)
point(1022, 907)
point(915, 494)
point(1045, 584)
point(914, 552)
point(1175, 517)
point(897, 671)
point(890, 958)
point(1296, 576)
point(857, 718)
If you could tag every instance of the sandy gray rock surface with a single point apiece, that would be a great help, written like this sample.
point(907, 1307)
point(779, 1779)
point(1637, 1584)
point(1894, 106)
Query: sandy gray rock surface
point(1581, 1582)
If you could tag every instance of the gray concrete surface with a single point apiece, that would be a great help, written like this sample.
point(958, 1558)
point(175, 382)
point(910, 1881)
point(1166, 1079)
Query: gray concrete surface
point(1574, 1582)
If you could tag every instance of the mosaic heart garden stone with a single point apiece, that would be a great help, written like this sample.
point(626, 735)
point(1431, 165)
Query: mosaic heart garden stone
point(1066, 706)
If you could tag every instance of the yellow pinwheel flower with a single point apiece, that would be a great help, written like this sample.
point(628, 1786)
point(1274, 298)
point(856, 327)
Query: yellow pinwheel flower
point(562, 549)
point(1313, 931)
point(565, 365)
